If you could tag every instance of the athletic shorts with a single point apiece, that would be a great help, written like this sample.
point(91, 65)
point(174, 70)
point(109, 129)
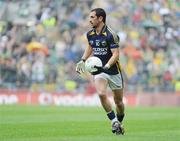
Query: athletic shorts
point(114, 81)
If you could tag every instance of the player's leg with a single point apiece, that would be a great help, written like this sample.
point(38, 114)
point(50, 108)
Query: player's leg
point(118, 99)
point(116, 84)
point(101, 84)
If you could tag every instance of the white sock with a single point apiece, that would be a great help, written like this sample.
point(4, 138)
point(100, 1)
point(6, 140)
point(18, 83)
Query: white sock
point(114, 120)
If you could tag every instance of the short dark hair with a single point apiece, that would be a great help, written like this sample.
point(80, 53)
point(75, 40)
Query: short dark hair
point(100, 12)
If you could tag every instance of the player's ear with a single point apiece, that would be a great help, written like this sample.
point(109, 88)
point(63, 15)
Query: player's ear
point(100, 18)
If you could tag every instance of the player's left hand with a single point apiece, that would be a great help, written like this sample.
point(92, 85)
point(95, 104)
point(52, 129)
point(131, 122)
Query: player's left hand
point(102, 69)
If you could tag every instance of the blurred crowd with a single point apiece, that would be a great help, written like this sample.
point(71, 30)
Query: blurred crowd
point(42, 40)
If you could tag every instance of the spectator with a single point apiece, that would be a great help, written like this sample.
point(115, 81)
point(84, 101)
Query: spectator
point(149, 27)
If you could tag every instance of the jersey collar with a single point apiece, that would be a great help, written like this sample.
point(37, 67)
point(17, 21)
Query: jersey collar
point(103, 31)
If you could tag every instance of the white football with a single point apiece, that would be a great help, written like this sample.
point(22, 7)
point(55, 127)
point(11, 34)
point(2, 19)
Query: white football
point(91, 62)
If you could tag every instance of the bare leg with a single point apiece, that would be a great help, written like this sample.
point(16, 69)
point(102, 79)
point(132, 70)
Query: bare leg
point(101, 86)
point(118, 99)
point(105, 103)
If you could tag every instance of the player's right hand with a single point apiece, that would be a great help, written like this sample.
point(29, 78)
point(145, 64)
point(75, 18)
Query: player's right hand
point(102, 69)
point(80, 67)
point(99, 69)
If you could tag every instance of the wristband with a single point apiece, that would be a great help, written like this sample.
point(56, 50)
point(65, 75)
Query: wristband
point(107, 66)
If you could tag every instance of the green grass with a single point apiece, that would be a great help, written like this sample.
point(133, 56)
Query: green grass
point(38, 123)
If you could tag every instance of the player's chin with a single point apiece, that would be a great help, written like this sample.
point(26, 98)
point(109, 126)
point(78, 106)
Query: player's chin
point(93, 26)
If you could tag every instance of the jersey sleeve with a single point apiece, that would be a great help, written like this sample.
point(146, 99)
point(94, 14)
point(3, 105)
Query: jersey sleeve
point(87, 37)
point(113, 40)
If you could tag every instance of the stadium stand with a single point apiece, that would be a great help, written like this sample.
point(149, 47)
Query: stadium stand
point(41, 41)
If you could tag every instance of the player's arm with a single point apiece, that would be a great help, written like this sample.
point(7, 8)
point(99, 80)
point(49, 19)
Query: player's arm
point(114, 46)
point(114, 58)
point(88, 51)
point(80, 67)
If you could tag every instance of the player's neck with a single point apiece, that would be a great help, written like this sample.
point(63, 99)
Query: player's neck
point(99, 28)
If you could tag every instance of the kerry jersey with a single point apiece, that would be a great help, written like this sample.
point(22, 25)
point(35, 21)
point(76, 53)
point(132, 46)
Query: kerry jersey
point(102, 45)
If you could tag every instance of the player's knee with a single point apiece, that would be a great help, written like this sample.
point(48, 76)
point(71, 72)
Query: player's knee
point(118, 102)
point(103, 98)
point(101, 92)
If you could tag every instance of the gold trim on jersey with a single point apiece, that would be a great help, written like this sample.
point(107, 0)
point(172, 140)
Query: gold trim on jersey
point(118, 66)
point(116, 40)
point(104, 33)
point(91, 33)
point(120, 71)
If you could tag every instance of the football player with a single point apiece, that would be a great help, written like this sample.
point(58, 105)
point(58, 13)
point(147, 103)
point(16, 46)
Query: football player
point(104, 44)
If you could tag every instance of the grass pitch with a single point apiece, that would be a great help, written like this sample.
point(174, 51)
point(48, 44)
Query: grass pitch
point(50, 123)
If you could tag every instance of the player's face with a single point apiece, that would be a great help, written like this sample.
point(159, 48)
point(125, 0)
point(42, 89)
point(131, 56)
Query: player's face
point(94, 20)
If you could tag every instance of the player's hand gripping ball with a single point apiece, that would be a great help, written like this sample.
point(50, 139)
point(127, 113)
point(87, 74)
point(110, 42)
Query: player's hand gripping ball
point(91, 62)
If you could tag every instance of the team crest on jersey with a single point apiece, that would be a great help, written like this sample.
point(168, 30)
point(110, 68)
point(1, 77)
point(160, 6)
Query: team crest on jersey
point(91, 42)
point(104, 43)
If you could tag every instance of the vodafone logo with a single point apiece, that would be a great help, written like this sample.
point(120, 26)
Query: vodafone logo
point(76, 100)
point(71, 100)
point(54, 99)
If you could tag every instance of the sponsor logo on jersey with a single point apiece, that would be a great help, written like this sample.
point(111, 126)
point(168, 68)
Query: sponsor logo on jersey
point(100, 51)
